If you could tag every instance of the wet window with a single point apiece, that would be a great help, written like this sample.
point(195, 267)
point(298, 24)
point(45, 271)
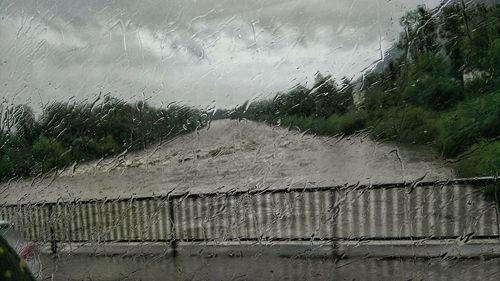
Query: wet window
point(250, 140)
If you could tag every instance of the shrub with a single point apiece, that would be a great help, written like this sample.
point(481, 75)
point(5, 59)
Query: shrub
point(432, 84)
point(49, 153)
point(84, 148)
point(15, 157)
point(108, 146)
point(408, 124)
point(481, 159)
point(349, 123)
point(468, 123)
point(477, 86)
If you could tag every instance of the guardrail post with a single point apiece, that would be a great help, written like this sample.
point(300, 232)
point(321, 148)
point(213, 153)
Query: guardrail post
point(53, 242)
point(497, 212)
point(335, 217)
point(171, 219)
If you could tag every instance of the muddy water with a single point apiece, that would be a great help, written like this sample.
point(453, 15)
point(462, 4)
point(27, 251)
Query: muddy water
point(234, 155)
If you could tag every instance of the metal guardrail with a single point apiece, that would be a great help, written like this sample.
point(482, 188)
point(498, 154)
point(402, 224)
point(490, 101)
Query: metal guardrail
point(431, 210)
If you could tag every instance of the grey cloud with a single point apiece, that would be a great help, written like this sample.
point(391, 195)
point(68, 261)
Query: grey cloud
point(194, 52)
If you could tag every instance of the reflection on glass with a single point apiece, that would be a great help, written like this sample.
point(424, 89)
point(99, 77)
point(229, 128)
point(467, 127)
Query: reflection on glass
point(255, 140)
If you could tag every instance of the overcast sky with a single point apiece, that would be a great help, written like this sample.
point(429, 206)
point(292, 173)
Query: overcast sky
point(197, 52)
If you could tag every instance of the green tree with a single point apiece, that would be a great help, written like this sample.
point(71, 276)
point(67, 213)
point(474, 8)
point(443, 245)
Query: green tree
point(328, 99)
point(49, 153)
point(432, 84)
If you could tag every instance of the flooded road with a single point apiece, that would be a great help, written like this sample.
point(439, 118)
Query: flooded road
point(265, 268)
point(234, 155)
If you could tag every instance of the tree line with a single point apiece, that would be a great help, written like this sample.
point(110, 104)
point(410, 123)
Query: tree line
point(66, 133)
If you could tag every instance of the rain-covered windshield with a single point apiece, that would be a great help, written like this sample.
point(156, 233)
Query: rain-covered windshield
point(252, 140)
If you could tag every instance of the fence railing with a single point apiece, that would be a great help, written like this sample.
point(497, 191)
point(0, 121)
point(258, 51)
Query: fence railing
point(448, 209)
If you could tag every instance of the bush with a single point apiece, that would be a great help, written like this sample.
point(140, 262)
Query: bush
point(84, 148)
point(49, 153)
point(408, 124)
point(478, 86)
point(108, 146)
point(15, 157)
point(482, 159)
point(347, 123)
point(303, 123)
point(469, 123)
point(432, 84)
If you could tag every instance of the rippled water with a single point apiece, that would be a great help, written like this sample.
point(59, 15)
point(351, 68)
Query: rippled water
point(236, 155)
